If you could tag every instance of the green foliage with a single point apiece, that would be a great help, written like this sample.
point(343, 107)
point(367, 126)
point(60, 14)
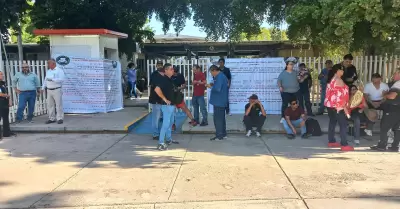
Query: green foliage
point(126, 16)
point(267, 34)
point(11, 11)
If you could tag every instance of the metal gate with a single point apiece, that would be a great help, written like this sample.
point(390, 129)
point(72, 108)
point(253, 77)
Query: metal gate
point(185, 67)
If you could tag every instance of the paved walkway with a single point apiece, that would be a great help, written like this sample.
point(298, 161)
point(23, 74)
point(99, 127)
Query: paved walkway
point(125, 171)
point(119, 121)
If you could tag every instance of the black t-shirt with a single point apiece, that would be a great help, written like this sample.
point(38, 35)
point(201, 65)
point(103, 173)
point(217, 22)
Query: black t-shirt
point(3, 100)
point(392, 105)
point(350, 72)
point(255, 110)
point(154, 79)
point(167, 87)
point(178, 80)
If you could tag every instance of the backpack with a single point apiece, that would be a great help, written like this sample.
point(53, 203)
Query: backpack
point(313, 127)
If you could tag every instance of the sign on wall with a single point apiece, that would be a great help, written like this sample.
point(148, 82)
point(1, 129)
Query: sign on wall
point(253, 76)
point(91, 85)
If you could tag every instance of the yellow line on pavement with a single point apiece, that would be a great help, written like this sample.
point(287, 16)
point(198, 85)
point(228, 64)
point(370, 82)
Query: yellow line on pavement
point(126, 127)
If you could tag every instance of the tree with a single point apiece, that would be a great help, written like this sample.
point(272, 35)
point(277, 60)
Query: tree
point(267, 34)
point(126, 16)
point(351, 24)
point(10, 15)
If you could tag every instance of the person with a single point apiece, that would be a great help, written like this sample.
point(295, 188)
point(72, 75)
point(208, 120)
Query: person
point(26, 85)
point(5, 104)
point(254, 115)
point(390, 119)
point(356, 113)
point(305, 83)
point(323, 79)
point(164, 89)
point(288, 85)
point(373, 93)
point(295, 117)
point(53, 84)
point(219, 100)
point(336, 101)
point(155, 101)
point(227, 72)
point(199, 85)
point(132, 75)
point(350, 72)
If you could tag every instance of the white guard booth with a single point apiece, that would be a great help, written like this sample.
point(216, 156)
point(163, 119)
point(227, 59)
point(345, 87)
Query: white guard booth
point(90, 60)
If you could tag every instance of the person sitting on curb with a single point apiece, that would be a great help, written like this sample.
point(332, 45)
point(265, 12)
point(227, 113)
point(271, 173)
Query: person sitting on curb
point(294, 117)
point(254, 115)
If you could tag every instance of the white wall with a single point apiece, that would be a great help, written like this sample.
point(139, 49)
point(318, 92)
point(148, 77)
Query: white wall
point(79, 46)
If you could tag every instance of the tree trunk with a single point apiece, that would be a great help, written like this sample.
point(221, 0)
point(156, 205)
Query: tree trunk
point(20, 48)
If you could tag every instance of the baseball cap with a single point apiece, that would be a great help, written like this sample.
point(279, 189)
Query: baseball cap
point(253, 96)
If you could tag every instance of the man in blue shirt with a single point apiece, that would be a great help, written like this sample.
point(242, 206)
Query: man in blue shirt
point(227, 72)
point(219, 100)
point(132, 75)
point(323, 80)
point(26, 84)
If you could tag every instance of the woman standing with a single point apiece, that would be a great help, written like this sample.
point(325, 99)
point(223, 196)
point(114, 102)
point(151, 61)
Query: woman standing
point(5, 104)
point(132, 75)
point(336, 101)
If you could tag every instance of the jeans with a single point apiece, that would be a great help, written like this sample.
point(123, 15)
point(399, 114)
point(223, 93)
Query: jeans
point(132, 89)
point(356, 118)
point(390, 120)
point(257, 121)
point(286, 97)
point(304, 98)
point(155, 119)
point(168, 112)
point(321, 104)
point(335, 117)
point(295, 123)
point(219, 122)
point(26, 97)
point(199, 102)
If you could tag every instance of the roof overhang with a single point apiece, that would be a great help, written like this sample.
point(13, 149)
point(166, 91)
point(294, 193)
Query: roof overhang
point(66, 32)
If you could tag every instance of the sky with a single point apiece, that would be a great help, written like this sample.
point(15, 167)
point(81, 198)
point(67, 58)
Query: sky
point(189, 29)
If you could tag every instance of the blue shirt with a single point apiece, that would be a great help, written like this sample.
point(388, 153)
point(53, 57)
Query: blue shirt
point(219, 91)
point(324, 81)
point(26, 82)
point(131, 75)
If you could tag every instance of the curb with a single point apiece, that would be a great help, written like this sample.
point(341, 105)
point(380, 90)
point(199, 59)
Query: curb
point(130, 126)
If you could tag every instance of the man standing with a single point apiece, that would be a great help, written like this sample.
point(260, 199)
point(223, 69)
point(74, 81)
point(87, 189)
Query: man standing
point(26, 84)
point(53, 84)
point(350, 71)
point(305, 82)
point(227, 73)
point(219, 100)
point(165, 90)
point(294, 117)
point(199, 84)
point(155, 100)
point(254, 115)
point(323, 80)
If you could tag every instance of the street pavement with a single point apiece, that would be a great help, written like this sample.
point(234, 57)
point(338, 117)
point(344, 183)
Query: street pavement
point(98, 171)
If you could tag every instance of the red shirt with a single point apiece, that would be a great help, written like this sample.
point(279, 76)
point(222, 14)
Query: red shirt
point(198, 89)
point(294, 114)
point(336, 96)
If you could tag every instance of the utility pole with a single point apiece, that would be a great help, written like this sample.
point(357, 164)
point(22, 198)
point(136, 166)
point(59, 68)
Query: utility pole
point(19, 37)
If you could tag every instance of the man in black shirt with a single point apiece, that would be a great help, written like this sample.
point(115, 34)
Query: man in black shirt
point(5, 104)
point(227, 72)
point(350, 71)
point(165, 91)
point(254, 115)
point(390, 119)
point(155, 100)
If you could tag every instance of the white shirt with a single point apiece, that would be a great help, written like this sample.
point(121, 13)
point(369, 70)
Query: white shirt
point(374, 93)
point(54, 78)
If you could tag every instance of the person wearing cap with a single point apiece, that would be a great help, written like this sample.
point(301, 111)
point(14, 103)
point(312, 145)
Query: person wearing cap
point(180, 82)
point(323, 80)
point(288, 85)
point(219, 100)
point(254, 115)
point(373, 93)
point(155, 100)
point(26, 85)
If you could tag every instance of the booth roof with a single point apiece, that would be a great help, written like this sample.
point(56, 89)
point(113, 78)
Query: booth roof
point(103, 32)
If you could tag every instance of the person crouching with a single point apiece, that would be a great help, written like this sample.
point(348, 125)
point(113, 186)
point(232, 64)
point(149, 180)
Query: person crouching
point(294, 117)
point(254, 116)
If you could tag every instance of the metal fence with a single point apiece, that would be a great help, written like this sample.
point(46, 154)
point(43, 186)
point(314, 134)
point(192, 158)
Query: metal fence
point(38, 67)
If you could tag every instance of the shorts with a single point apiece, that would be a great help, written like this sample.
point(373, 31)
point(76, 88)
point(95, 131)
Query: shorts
point(182, 104)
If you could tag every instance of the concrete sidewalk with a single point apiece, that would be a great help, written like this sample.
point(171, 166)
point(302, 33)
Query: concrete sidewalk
point(116, 122)
point(272, 124)
point(126, 171)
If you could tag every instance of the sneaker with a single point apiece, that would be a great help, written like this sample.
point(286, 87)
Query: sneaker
point(60, 122)
point(50, 121)
point(282, 119)
point(161, 147)
point(169, 142)
point(31, 121)
point(248, 133)
point(357, 142)
point(334, 144)
point(347, 148)
point(258, 134)
point(305, 136)
point(290, 136)
point(225, 137)
point(131, 98)
point(377, 148)
point(173, 127)
point(368, 132)
point(216, 138)
point(155, 137)
point(204, 124)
